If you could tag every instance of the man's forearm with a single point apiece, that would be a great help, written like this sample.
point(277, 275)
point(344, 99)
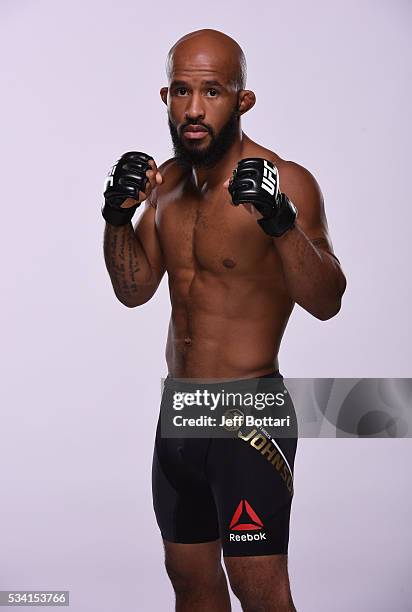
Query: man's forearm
point(313, 277)
point(127, 265)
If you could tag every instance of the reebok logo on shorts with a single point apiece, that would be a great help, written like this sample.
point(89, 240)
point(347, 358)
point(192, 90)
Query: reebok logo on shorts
point(245, 519)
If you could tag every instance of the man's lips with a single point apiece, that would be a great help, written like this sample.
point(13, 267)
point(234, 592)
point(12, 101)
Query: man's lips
point(195, 132)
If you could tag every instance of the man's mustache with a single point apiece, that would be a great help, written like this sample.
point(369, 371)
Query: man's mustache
point(185, 125)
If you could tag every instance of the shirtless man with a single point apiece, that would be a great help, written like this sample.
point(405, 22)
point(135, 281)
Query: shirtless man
point(233, 283)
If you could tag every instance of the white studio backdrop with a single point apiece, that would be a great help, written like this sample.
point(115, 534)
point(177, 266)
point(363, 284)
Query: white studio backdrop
point(81, 373)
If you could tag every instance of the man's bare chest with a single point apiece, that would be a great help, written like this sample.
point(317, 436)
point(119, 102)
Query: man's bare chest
point(211, 234)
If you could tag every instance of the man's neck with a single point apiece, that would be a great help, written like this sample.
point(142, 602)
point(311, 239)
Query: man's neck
point(207, 179)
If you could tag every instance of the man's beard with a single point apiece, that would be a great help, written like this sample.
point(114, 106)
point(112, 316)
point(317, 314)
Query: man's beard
point(214, 152)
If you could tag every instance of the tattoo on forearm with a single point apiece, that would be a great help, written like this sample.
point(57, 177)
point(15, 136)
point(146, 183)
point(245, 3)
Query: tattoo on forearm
point(122, 259)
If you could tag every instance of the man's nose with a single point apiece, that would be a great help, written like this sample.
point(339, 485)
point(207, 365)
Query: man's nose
point(194, 110)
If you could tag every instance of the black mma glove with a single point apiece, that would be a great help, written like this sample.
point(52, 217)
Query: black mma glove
point(256, 180)
point(125, 180)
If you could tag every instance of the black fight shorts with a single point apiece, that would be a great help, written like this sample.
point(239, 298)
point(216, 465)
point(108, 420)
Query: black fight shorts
point(238, 489)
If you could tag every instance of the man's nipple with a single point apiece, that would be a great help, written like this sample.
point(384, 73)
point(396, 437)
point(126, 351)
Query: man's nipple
point(229, 263)
point(188, 340)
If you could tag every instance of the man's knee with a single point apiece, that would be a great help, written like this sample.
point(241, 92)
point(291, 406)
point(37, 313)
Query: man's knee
point(260, 585)
point(182, 580)
point(255, 599)
point(190, 571)
point(186, 580)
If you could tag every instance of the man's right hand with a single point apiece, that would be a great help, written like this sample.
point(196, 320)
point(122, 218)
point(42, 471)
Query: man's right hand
point(129, 182)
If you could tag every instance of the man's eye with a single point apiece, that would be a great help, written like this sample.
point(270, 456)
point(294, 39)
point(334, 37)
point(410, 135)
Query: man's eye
point(181, 91)
point(213, 92)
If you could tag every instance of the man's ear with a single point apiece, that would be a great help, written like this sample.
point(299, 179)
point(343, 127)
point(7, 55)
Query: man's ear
point(246, 99)
point(163, 94)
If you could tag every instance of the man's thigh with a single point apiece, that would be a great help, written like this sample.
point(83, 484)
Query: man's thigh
point(253, 493)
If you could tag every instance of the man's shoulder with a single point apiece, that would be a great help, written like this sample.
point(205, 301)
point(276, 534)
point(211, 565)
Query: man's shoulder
point(289, 171)
point(172, 168)
point(253, 149)
point(295, 180)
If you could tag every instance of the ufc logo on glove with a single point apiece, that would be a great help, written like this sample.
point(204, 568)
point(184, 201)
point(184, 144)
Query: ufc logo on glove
point(270, 179)
point(256, 180)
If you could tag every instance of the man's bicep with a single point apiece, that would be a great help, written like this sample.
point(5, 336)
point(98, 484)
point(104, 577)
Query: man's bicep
point(145, 230)
point(304, 191)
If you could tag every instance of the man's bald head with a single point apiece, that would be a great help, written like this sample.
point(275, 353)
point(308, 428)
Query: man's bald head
point(206, 72)
point(219, 48)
